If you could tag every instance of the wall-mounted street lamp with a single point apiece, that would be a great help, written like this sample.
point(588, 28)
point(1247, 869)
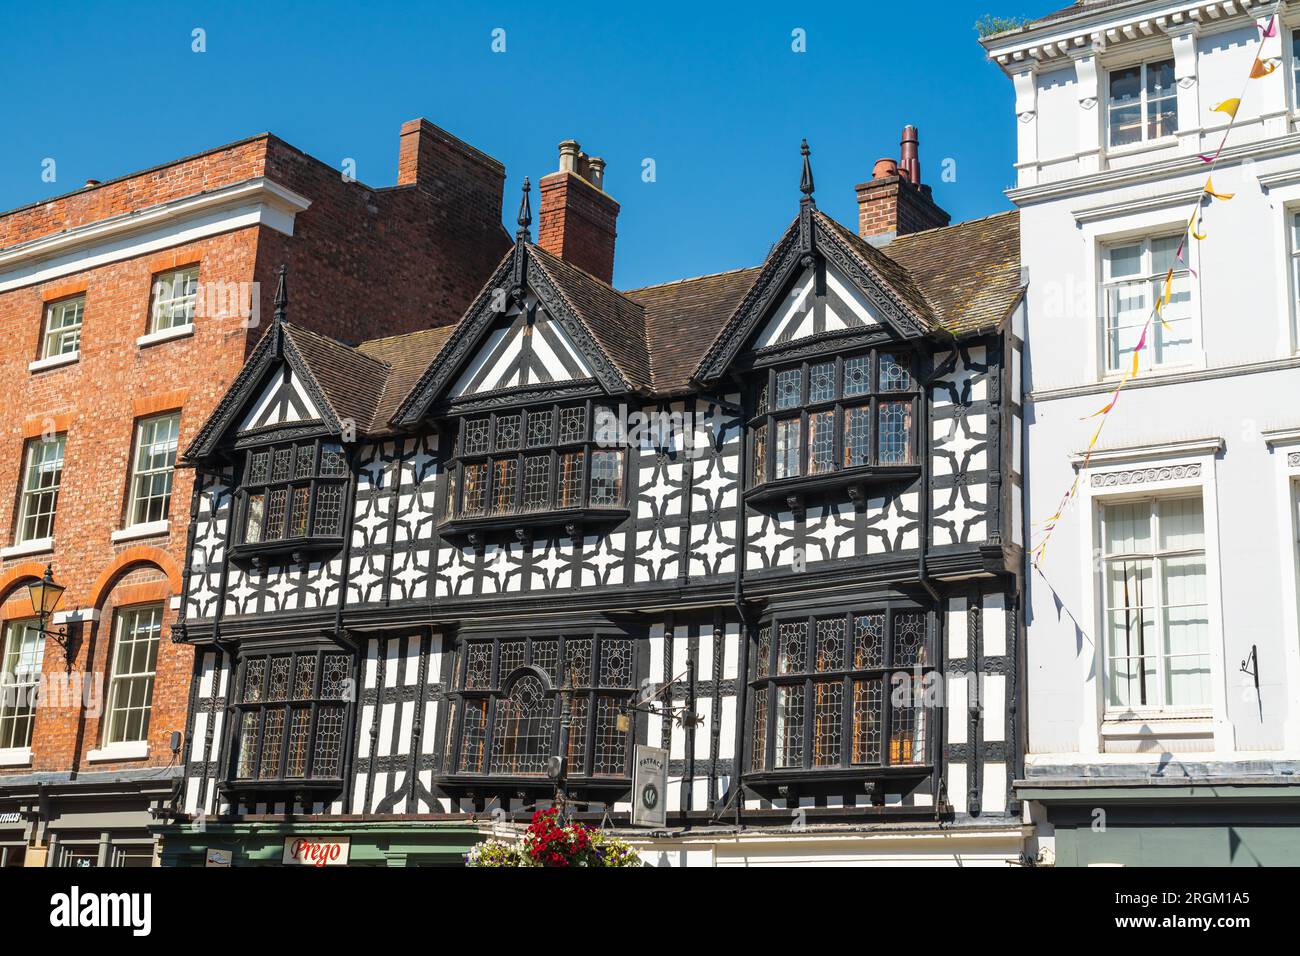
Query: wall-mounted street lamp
point(46, 595)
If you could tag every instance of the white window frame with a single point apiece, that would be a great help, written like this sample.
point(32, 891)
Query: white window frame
point(32, 495)
point(1176, 467)
point(1156, 604)
point(1284, 444)
point(144, 471)
point(1143, 103)
point(1155, 282)
point(172, 309)
point(126, 637)
point(15, 693)
point(66, 339)
point(1292, 245)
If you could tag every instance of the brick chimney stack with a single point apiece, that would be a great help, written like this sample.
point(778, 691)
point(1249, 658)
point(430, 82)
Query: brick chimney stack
point(895, 202)
point(576, 220)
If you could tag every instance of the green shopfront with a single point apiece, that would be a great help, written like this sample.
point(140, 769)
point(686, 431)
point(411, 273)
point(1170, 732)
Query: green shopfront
point(334, 842)
point(1173, 823)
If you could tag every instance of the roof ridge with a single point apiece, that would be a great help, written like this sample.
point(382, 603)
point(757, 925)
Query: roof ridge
point(294, 327)
point(707, 275)
point(951, 225)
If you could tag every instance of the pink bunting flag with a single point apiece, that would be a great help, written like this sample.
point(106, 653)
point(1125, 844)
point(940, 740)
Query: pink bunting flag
point(1271, 29)
point(1207, 159)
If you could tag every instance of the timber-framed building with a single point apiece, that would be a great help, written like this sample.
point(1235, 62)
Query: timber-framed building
point(783, 501)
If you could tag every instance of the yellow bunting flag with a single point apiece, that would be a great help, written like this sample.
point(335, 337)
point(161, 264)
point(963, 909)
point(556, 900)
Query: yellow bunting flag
point(1209, 189)
point(1195, 234)
point(1228, 106)
point(1262, 69)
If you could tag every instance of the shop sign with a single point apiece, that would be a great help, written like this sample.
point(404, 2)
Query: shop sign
point(11, 818)
point(650, 787)
point(218, 857)
point(316, 851)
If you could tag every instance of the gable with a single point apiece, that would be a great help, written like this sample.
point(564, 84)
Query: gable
point(525, 347)
point(813, 307)
point(284, 400)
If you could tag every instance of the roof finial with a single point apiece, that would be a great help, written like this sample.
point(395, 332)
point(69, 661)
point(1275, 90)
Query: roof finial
point(281, 294)
point(525, 214)
point(806, 180)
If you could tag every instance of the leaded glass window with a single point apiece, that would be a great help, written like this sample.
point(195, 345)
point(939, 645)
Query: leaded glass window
point(533, 461)
point(293, 709)
point(842, 689)
point(293, 493)
point(856, 411)
point(510, 695)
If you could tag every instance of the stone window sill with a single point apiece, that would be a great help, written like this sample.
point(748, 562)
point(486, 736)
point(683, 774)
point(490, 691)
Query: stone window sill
point(146, 529)
point(53, 361)
point(16, 757)
point(129, 750)
point(24, 548)
point(165, 335)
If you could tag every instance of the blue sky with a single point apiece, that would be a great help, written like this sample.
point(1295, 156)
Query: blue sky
point(716, 97)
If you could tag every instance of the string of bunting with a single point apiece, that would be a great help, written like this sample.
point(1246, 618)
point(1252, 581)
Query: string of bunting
point(1194, 229)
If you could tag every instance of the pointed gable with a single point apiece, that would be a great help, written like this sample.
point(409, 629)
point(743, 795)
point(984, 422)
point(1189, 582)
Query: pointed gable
point(284, 401)
point(538, 322)
point(821, 300)
point(525, 347)
point(819, 279)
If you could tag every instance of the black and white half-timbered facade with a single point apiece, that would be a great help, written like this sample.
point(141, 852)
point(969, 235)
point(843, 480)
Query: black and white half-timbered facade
point(764, 519)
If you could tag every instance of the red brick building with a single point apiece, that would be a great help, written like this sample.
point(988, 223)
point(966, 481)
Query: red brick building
point(126, 310)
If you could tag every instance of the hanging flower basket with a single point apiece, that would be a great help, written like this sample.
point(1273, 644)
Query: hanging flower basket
point(547, 842)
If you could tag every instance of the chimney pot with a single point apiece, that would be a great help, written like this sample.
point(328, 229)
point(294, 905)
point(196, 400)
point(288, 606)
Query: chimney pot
point(91, 182)
point(577, 220)
point(911, 154)
point(895, 202)
point(569, 150)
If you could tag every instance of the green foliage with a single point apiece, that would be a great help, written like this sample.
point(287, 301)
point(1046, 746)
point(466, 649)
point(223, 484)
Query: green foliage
point(550, 842)
point(988, 25)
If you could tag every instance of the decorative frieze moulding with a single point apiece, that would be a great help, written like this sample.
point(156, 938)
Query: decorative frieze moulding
point(1146, 476)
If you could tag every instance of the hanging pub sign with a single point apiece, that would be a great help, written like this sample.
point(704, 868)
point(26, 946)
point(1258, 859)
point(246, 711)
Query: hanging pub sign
point(650, 787)
point(315, 851)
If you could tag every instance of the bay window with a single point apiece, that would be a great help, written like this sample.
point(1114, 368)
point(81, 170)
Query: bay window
point(1155, 605)
point(292, 711)
point(532, 461)
point(1143, 103)
point(1133, 280)
point(833, 415)
point(293, 495)
point(842, 690)
point(509, 698)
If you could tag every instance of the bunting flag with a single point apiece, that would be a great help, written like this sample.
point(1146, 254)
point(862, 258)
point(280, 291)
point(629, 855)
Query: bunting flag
point(1195, 228)
point(1262, 69)
point(1227, 106)
point(1209, 191)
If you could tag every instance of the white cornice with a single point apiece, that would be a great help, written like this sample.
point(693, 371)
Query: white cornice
point(1289, 435)
point(1118, 25)
point(258, 201)
point(1131, 206)
point(1209, 445)
point(1151, 172)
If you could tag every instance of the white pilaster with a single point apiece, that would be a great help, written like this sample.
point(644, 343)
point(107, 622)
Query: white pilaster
point(1026, 84)
point(1271, 89)
point(1090, 108)
point(1183, 37)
